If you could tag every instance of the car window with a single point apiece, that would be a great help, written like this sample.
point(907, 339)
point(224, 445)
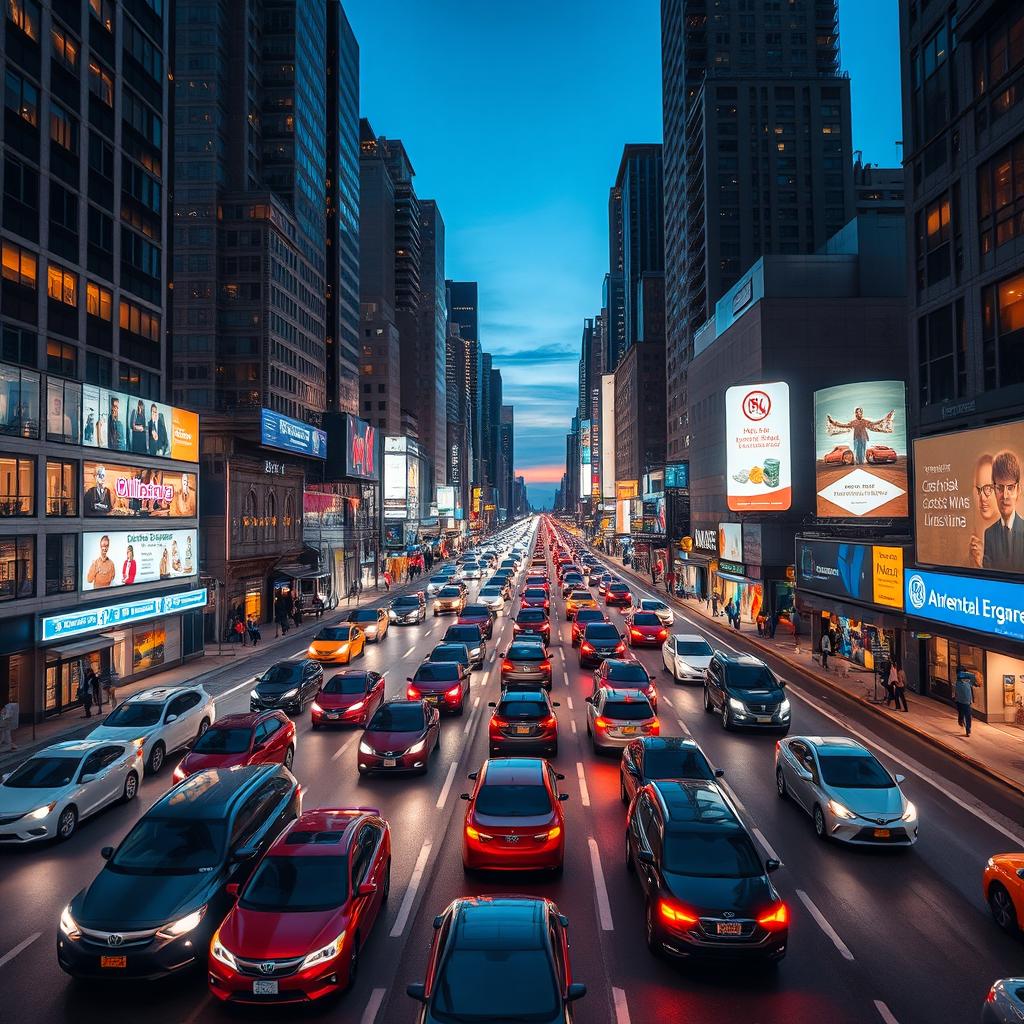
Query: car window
point(602, 631)
point(397, 718)
point(693, 648)
point(751, 677)
point(297, 884)
point(285, 673)
point(92, 764)
point(627, 672)
point(526, 652)
point(252, 816)
point(532, 615)
point(522, 709)
point(627, 710)
point(646, 619)
point(513, 801)
point(671, 763)
point(646, 815)
point(712, 853)
point(345, 683)
point(854, 771)
point(170, 846)
point(437, 672)
point(270, 727)
point(110, 755)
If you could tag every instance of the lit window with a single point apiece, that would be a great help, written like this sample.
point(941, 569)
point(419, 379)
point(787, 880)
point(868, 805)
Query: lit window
point(62, 285)
point(63, 129)
point(19, 265)
point(99, 301)
point(25, 14)
point(65, 48)
point(103, 11)
point(101, 83)
point(21, 97)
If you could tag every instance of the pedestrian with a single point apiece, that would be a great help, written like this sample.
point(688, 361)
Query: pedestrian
point(884, 677)
point(387, 580)
point(85, 691)
point(826, 649)
point(8, 719)
point(239, 629)
point(254, 632)
point(109, 686)
point(773, 624)
point(714, 606)
point(899, 691)
point(965, 684)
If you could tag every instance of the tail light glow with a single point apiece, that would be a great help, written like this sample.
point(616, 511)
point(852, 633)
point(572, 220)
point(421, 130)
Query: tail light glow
point(545, 664)
point(675, 913)
point(550, 722)
point(454, 691)
point(601, 723)
point(586, 647)
point(506, 666)
point(636, 633)
point(777, 917)
point(412, 693)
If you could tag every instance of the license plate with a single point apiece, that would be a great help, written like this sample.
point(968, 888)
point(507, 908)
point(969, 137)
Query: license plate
point(432, 700)
point(628, 730)
point(331, 714)
point(729, 928)
point(882, 833)
point(264, 988)
point(114, 961)
point(522, 730)
point(764, 718)
point(390, 762)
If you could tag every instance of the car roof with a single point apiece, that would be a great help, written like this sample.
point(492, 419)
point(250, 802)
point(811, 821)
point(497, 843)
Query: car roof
point(500, 922)
point(209, 794)
point(614, 663)
point(690, 638)
point(160, 693)
point(590, 626)
point(739, 659)
point(243, 720)
point(591, 612)
point(688, 801)
point(625, 695)
point(833, 744)
point(517, 695)
point(324, 831)
point(514, 771)
point(667, 743)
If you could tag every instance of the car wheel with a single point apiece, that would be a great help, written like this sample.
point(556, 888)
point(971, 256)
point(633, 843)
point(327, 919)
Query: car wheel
point(708, 708)
point(1001, 905)
point(726, 717)
point(131, 788)
point(653, 942)
point(819, 823)
point(203, 726)
point(353, 962)
point(289, 757)
point(67, 822)
point(156, 759)
point(460, 711)
point(780, 784)
point(630, 866)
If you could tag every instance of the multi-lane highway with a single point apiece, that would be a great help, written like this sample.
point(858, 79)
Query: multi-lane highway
point(877, 935)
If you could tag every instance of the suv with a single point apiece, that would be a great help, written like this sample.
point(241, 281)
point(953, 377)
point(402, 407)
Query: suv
point(706, 891)
point(746, 693)
point(409, 608)
point(288, 685)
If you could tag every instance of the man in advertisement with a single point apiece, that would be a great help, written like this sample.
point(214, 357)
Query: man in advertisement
point(97, 498)
point(115, 426)
point(101, 571)
point(860, 427)
point(1004, 540)
point(157, 433)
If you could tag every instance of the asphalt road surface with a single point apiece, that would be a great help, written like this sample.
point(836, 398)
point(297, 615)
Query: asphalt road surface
point(890, 936)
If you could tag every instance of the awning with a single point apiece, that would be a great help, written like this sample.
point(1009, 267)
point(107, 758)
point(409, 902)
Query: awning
point(297, 571)
point(68, 651)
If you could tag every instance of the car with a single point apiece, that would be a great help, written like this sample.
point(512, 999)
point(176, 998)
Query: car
point(348, 698)
point(151, 911)
point(842, 454)
point(645, 629)
point(472, 570)
point(408, 609)
point(436, 583)
point(48, 794)
point(260, 737)
point(578, 600)
point(449, 599)
point(511, 564)
point(849, 795)
point(498, 958)
point(706, 891)
point(600, 640)
point(525, 663)
point(1004, 1003)
point(503, 583)
point(478, 615)
point(618, 594)
point(1003, 888)
point(470, 634)
point(532, 622)
point(626, 674)
point(661, 757)
point(535, 597)
point(603, 582)
point(880, 453)
point(442, 684)
point(573, 581)
point(686, 657)
point(337, 645)
point(374, 622)
point(583, 618)
point(492, 598)
point(400, 737)
point(299, 923)
point(614, 717)
point(662, 610)
point(745, 693)
point(288, 685)
point(523, 719)
point(449, 651)
point(514, 821)
point(538, 580)
point(159, 720)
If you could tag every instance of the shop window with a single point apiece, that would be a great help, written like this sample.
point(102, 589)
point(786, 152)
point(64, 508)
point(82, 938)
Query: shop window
point(17, 567)
point(62, 285)
point(61, 563)
point(61, 488)
point(63, 410)
point(946, 658)
point(17, 486)
point(19, 401)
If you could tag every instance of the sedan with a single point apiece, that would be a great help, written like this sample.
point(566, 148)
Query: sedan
point(538, 580)
point(472, 570)
point(625, 674)
point(478, 615)
point(449, 599)
point(46, 796)
point(523, 719)
point(645, 629)
point(436, 583)
point(845, 789)
point(600, 640)
point(661, 757)
point(408, 609)
point(442, 684)
point(374, 622)
point(662, 610)
point(348, 698)
point(526, 662)
point(614, 717)
point(1003, 885)
point(582, 619)
point(618, 594)
point(686, 656)
point(492, 598)
point(288, 685)
point(535, 597)
point(261, 737)
point(400, 737)
point(337, 645)
point(573, 581)
point(471, 635)
point(532, 622)
point(578, 600)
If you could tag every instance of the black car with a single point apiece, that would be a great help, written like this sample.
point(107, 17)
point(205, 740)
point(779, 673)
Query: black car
point(471, 635)
point(408, 609)
point(532, 622)
point(523, 719)
point(661, 757)
point(600, 640)
point(450, 651)
point(288, 685)
point(745, 693)
point(154, 907)
point(706, 891)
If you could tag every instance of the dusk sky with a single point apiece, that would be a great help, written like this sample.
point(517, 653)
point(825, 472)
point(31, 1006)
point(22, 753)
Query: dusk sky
point(514, 115)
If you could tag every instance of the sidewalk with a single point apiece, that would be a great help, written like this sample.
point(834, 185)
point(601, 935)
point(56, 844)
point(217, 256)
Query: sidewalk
point(996, 750)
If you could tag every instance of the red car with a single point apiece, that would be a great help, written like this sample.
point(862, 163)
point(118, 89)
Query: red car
point(645, 628)
point(538, 580)
point(348, 698)
point(618, 593)
point(477, 615)
point(400, 737)
point(301, 920)
point(880, 453)
point(532, 621)
point(626, 674)
point(582, 619)
point(256, 737)
point(523, 719)
point(841, 454)
point(535, 597)
point(514, 821)
point(442, 684)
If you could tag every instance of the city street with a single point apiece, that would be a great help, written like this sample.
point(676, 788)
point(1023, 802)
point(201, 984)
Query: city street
point(875, 936)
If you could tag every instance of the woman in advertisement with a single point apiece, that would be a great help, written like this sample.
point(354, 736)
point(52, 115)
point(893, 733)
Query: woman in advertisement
point(165, 565)
point(188, 556)
point(129, 568)
point(175, 557)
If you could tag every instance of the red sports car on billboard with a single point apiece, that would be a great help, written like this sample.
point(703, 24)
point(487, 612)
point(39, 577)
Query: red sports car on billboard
point(881, 453)
point(842, 453)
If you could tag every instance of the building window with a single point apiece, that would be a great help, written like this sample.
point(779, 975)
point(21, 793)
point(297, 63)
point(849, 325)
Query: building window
point(270, 516)
point(19, 265)
point(1002, 331)
point(63, 410)
point(25, 14)
point(98, 370)
point(249, 518)
point(61, 358)
point(1001, 195)
point(101, 83)
point(17, 567)
point(62, 285)
point(63, 128)
point(61, 563)
point(934, 247)
point(17, 346)
point(103, 12)
point(19, 402)
point(17, 486)
point(140, 382)
point(1000, 52)
point(139, 321)
point(99, 301)
point(65, 48)
point(942, 360)
point(61, 488)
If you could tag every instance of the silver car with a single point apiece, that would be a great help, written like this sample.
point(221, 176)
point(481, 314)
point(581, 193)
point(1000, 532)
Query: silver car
point(845, 789)
point(665, 614)
point(686, 656)
point(435, 583)
point(1004, 1003)
point(617, 716)
point(492, 597)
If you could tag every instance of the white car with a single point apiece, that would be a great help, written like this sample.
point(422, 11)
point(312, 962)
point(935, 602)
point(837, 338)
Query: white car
point(491, 597)
point(159, 720)
point(472, 570)
point(662, 610)
point(686, 656)
point(46, 796)
point(435, 583)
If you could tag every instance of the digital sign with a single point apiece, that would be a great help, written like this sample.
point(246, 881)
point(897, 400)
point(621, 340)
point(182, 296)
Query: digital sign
point(677, 475)
point(872, 574)
point(758, 469)
point(446, 501)
point(985, 605)
point(360, 449)
point(730, 541)
point(110, 490)
point(74, 623)
point(119, 559)
point(289, 435)
point(121, 422)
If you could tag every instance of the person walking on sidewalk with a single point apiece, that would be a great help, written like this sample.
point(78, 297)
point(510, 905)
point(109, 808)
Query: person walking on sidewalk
point(965, 684)
point(899, 692)
point(714, 606)
point(109, 686)
point(254, 631)
point(826, 650)
point(86, 689)
point(387, 579)
point(7, 719)
point(773, 624)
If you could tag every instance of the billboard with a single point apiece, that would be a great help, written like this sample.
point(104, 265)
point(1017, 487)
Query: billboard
point(360, 449)
point(279, 431)
point(758, 465)
point(608, 430)
point(730, 541)
point(623, 515)
point(967, 491)
point(119, 559)
point(860, 450)
point(124, 423)
point(446, 501)
point(988, 606)
point(585, 460)
point(396, 486)
point(677, 475)
point(113, 490)
point(626, 489)
point(65, 625)
point(872, 574)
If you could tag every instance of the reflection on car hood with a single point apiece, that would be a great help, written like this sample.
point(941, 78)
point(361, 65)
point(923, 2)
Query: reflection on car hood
point(21, 801)
point(694, 663)
point(745, 897)
point(398, 741)
point(110, 732)
point(257, 935)
point(871, 802)
point(125, 903)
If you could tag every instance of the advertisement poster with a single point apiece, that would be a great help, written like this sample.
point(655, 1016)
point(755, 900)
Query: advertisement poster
point(121, 423)
point(113, 491)
point(860, 450)
point(393, 536)
point(360, 449)
point(988, 606)
point(279, 431)
point(887, 576)
point(967, 500)
point(446, 501)
point(677, 475)
point(752, 544)
point(122, 559)
point(75, 623)
point(730, 541)
point(845, 569)
point(148, 648)
point(758, 466)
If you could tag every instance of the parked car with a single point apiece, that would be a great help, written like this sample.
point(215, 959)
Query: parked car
point(374, 622)
point(337, 645)
point(400, 737)
point(260, 737)
point(348, 698)
point(408, 609)
point(288, 685)
point(745, 692)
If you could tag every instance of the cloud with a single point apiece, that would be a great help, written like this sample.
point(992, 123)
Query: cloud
point(536, 356)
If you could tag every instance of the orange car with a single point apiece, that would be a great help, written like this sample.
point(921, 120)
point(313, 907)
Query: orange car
point(842, 453)
point(337, 645)
point(1003, 884)
point(578, 599)
point(881, 453)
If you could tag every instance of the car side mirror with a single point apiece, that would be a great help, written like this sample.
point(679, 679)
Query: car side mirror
point(472, 775)
point(463, 796)
point(408, 679)
point(559, 776)
point(503, 654)
point(367, 888)
point(622, 636)
point(803, 773)
point(563, 796)
point(171, 718)
point(771, 864)
point(232, 889)
point(645, 856)
point(438, 921)
point(900, 779)
point(556, 704)
point(107, 852)
point(577, 990)
point(417, 991)
point(719, 772)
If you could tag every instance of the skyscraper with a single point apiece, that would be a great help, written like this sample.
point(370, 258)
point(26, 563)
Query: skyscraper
point(507, 446)
point(463, 309)
point(429, 384)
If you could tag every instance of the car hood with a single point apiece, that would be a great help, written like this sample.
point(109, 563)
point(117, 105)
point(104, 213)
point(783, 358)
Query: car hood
point(193, 762)
point(745, 897)
point(697, 664)
point(110, 732)
point(327, 646)
point(276, 689)
point(758, 696)
point(337, 701)
point(258, 935)
point(397, 741)
point(21, 801)
point(125, 903)
point(870, 802)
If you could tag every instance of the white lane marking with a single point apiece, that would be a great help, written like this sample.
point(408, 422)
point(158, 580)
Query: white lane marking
point(565, 678)
point(823, 924)
point(427, 633)
point(584, 791)
point(604, 909)
point(667, 700)
point(769, 849)
point(885, 1013)
point(410, 894)
point(621, 1006)
point(569, 701)
point(684, 727)
point(373, 1006)
point(23, 945)
point(340, 752)
point(476, 703)
point(408, 652)
point(446, 788)
point(573, 724)
point(234, 689)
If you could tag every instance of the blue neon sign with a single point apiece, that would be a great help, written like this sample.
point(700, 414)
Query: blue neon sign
point(277, 431)
point(72, 624)
point(986, 606)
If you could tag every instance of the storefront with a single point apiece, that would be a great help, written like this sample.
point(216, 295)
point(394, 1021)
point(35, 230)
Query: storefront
point(695, 560)
point(735, 586)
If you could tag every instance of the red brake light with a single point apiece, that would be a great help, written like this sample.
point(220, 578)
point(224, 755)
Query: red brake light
point(545, 664)
point(675, 913)
point(777, 917)
point(656, 727)
point(587, 647)
point(619, 648)
point(550, 722)
point(498, 723)
point(412, 693)
point(454, 691)
point(601, 723)
point(506, 666)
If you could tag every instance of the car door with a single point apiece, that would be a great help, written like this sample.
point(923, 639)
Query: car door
point(668, 654)
point(311, 681)
point(799, 756)
point(90, 780)
point(367, 866)
point(374, 692)
point(114, 768)
point(184, 725)
point(276, 740)
point(632, 762)
point(716, 685)
point(644, 830)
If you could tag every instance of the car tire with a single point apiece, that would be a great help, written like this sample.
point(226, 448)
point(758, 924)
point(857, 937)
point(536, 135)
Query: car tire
point(289, 757)
point(67, 823)
point(203, 726)
point(780, 784)
point(630, 866)
point(708, 707)
point(726, 717)
point(131, 788)
point(1000, 903)
point(818, 816)
point(156, 759)
point(461, 710)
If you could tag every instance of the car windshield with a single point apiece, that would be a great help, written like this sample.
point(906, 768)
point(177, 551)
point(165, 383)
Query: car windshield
point(523, 709)
point(532, 615)
point(711, 853)
point(450, 592)
point(513, 801)
point(693, 648)
point(535, 593)
point(346, 683)
point(223, 741)
point(628, 672)
point(333, 632)
point(438, 672)
point(405, 602)
point(297, 884)
point(491, 592)
point(525, 652)
point(439, 579)
point(619, 588)
point(470, 977)
point(170, 846)
point(590, 615)
point(134, 714)
point(854, 771)
point(473, 610)
point(43, 773)
point(286, 673)
point(628, 710)
point(397, 718)
point(601, 631)
point(646, 619)
point(580, 595)
point(450, 652)
point(751, 677)
point(653, 606)
point(464, 634)
point(666, 763)
point(363, 615)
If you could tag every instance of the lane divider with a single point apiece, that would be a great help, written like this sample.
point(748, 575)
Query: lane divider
point(823, 924)
point(621, 1005)
point(446, 788)
point(372, 1006)
point(19, 948)
point(405, 909)
point(584, 791)
point(885, 1013)
point(347, 746)
point(604, 908)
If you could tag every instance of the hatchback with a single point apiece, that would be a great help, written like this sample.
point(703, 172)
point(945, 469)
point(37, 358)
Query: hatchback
point(288, 685)
point(535, 597)
point(614, 717)
point(260, 737)
point(525, 662)
point(449, 599)
point(337, 645)
point(578, 600)
point(625, 674)
point(442, 684)
point(451, 651)
point(523, 720)
point(645, 629)
point(408, 609)
point(532, 622)
point(492, 598)
point(348, 698)
point(401, 736)
point(686, 656)
point(618, 594)
point(470, 634)
point(600, 640)
point(479, 615)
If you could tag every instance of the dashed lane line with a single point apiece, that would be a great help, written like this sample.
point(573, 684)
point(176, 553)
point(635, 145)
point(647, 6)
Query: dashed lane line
point(885, 1013)
point(621, 1005)
point(405, 910)
point(569, 701)
point(573, 724)
point(684, 727)
point(824, 925)
point(372, 1006)
point(19, 948)
point(584, 791)
point(604, 909)
point(342, 750)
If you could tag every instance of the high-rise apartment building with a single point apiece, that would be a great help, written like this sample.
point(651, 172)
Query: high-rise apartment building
point(457, 425)
point(464, 310)
point(430, 384)
point(506, 488)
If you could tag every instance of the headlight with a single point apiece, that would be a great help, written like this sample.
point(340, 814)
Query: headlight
point(291, 693)
point(839, 810)
point(220, 952)
point(365, 748)
point(254, 695)
point(737, 705)
point(325, 953)
point(784, 707)
point(417, 747)
point(311, 649)
point(183, 925)
point(358, 704)
point(910, 813)
point(68, 925)
point(41, 812)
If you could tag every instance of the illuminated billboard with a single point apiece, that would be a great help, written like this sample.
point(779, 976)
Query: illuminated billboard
point(290, 435)
point(758, 466)
point(608, 432)
point(120, 422)
point(446, 501)
point(120, 559)
point(360, 449)
point(111, 490)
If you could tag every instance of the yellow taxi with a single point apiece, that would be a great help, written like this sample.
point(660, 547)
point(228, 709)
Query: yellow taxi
point(337, 645)
point(578, 599)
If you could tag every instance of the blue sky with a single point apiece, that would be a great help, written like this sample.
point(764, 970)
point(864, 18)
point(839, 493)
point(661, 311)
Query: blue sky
point(514, 115)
